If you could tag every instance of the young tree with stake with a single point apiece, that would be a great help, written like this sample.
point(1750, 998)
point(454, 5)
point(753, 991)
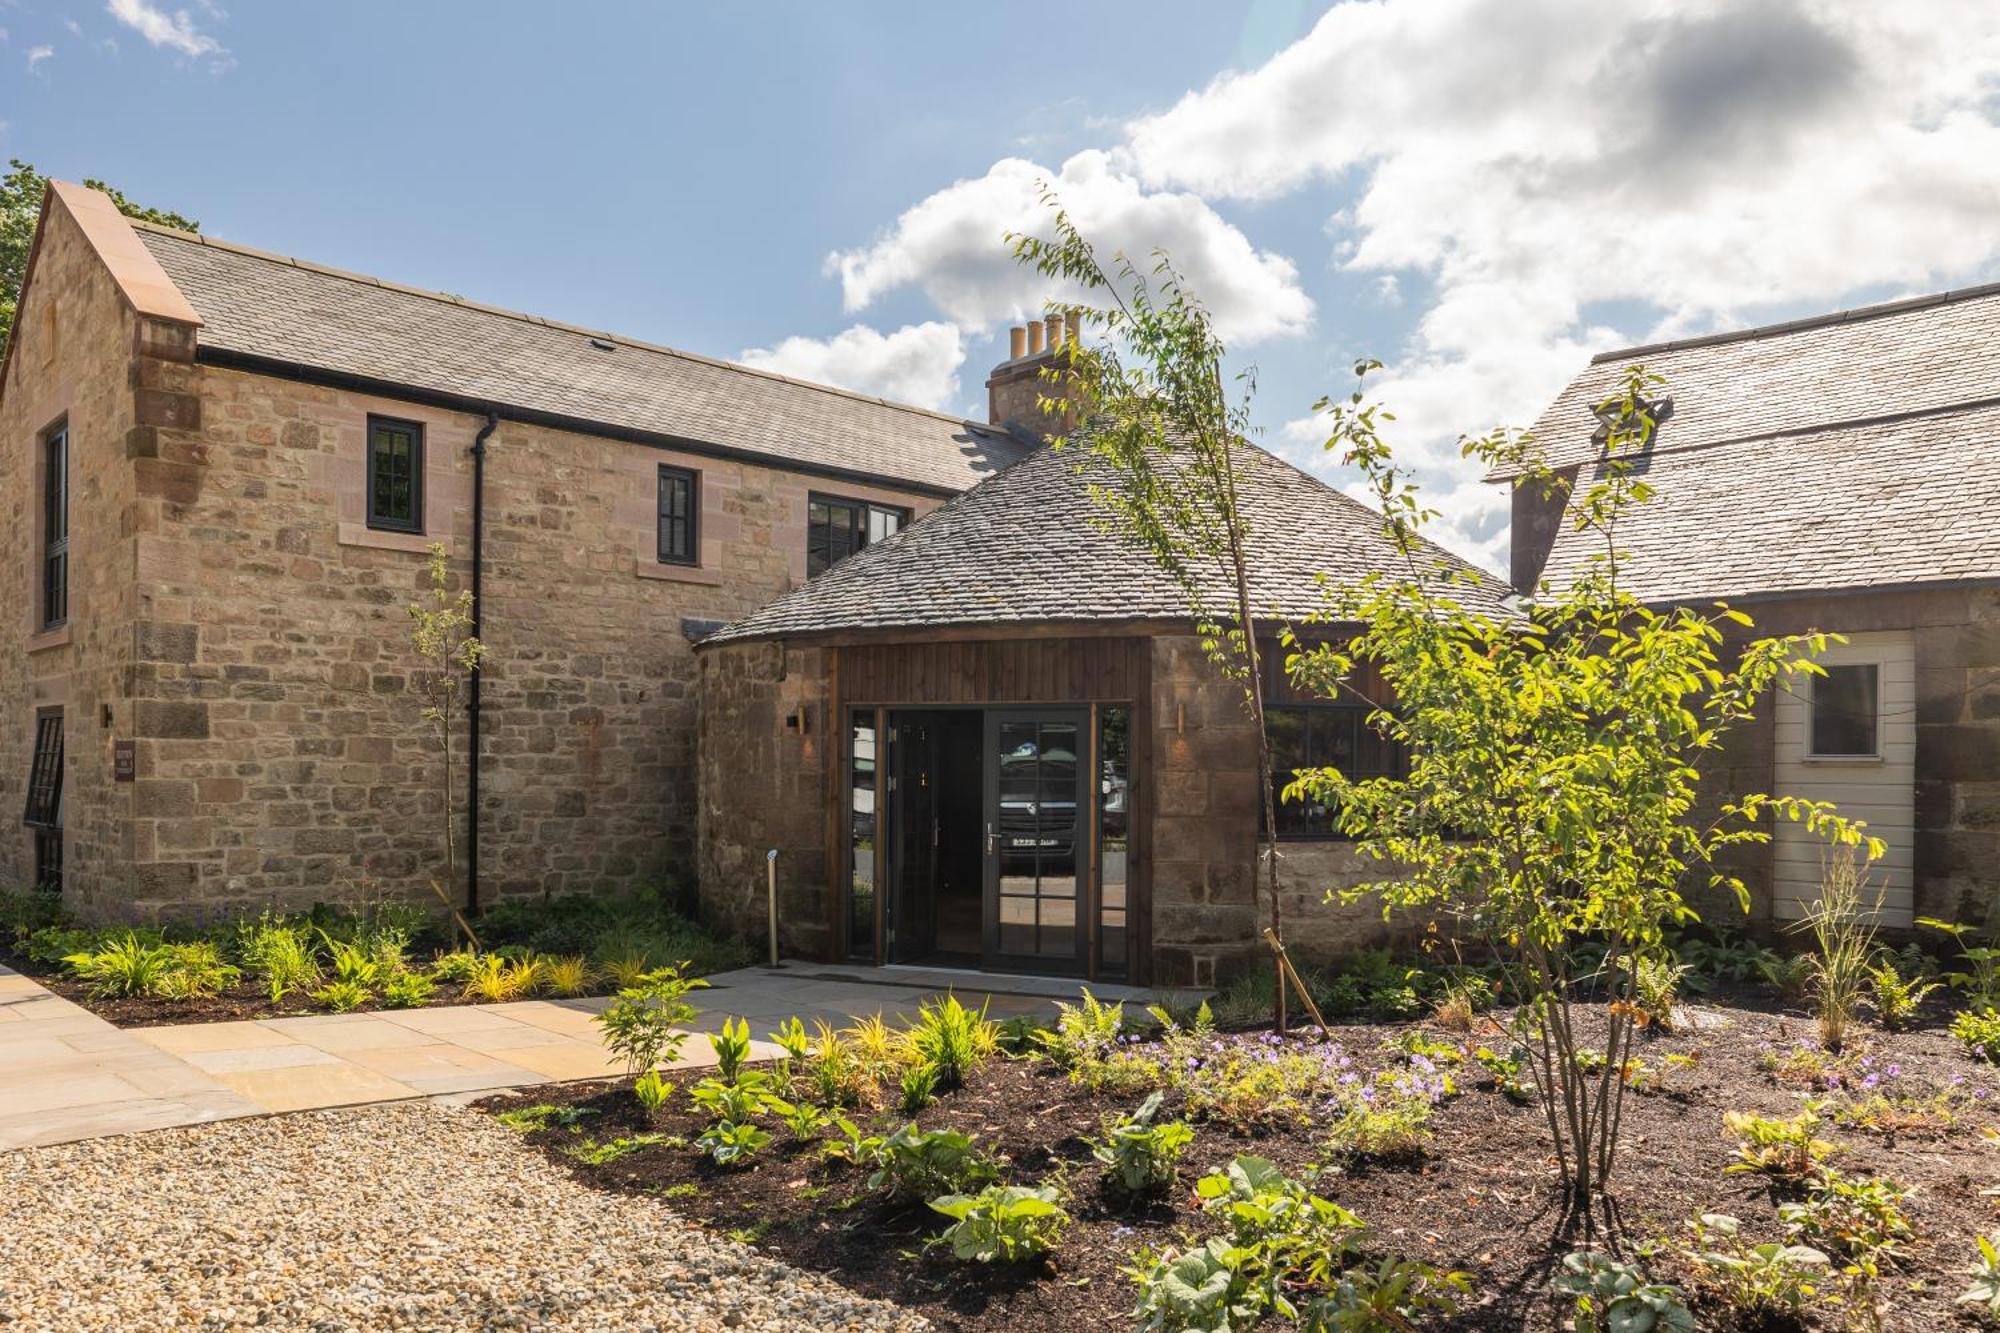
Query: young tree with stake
point(441, 635)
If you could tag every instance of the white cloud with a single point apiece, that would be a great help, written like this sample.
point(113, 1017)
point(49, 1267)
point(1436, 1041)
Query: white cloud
point(176, 31)
point(37, 54)
point(1692, 163)
point(949, 246)
point(918, 363)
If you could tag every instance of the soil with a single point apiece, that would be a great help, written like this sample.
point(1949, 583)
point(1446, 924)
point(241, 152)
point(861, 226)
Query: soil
point(242, 1001)
point(1481, 1200)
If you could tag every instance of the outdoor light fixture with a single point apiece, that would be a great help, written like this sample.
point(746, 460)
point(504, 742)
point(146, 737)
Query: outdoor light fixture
point(1180, 718)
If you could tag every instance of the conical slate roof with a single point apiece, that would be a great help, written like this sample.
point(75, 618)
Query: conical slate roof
point(1029, 546)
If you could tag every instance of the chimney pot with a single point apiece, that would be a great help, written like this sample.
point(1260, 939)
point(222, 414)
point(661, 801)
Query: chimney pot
point(1073, 327)
point(1035, 338)
point(1055, 328)
point(1017, 343)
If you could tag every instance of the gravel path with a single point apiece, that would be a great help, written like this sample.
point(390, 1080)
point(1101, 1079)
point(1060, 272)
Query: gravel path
point(408, 1216)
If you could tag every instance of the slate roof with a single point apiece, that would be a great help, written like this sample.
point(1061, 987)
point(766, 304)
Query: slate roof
point(282, 310)
point(1857, 451)
point(1875, 361)
point(1029, 546)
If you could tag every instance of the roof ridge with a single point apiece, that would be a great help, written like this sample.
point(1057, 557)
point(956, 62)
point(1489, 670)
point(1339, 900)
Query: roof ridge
point(1854, 315)
point(1985, 404)
point(622, 340)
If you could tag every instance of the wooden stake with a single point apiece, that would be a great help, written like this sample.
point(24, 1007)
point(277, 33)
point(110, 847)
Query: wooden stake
point(1285, 969)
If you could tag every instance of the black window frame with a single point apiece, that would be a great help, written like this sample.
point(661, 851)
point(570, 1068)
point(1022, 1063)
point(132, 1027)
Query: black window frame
point(1296, 822)
point(689, 551)
point(45, 772)
point(55, 526)
point(859, 513)
point(377, 520)
point(1814, 716)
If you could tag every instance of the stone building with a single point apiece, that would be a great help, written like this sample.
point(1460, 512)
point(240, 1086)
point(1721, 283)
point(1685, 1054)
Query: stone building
point(223, 471)
point(1836, 474)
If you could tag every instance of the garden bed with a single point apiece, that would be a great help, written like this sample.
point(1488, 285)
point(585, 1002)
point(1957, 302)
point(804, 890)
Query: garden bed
point(1481, 1198)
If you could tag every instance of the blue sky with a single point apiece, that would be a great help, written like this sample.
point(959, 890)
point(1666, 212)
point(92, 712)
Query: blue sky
point(1479, 192)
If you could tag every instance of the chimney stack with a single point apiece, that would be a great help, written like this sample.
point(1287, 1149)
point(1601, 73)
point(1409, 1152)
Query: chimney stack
point(1016, 386)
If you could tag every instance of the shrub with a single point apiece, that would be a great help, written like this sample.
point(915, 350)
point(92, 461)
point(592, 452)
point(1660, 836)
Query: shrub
point(1767, 1279)
point(1898, 999)
point(54, 944)
point(124, 967)
point(652, 1091)
point(341, 996)
point(408, 990)
point(567, 976)
point(1614, 1297)
point(1979, 1031)
point(919, 1088)
point(914, 1164)
point(1388, 1119)
point(953, 1040)
point(731, 1047)
point(1139, 1156)
point(729, 1143)
point(645, 1026)
point(1002, 1223)
point(1778, 1147)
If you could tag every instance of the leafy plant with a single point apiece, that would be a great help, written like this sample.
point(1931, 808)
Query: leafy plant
point(731, 1144)
point(1978, 980)
point(1386, 1298)
point(1850, 1216)
point(732, 1047)
point(1205, 1289)
point(340, 997)
point(646, 1024)
point(544, 1116)
point(195, 970)
point(280, 953)
point(408, 990)
point(1085, 1033)
point(1771, 1278)
point(914, 1164)
point(567, 976)
point(1614, 1297)
point(652, 1091)
point(739, 1099)
point(1391, 1121)
point(455, 968)
point(1979, 1031)
point(953, 1040)
point(1985, 1289)
point(1459, 1006)
point(1139, 1156)
point(802, 1118)
point(625, 970)
point(1843, 947)
point(1002, 1223)
point(919, 1088)
point(792, 1038)
point(836, 1075)
point(126, 966)
point(1508, 1072)
point(1787, 1147)
point(1656, 984)
point(1550, 790)
point(1791, 975)
point(1898, 998)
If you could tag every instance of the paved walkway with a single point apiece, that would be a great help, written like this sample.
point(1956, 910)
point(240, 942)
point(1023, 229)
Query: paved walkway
point(66, 1074)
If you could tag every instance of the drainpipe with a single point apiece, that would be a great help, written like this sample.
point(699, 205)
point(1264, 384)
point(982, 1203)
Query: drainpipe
point(472, 690)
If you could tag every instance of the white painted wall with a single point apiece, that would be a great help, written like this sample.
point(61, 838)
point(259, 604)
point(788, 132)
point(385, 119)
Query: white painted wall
point(1881, 790)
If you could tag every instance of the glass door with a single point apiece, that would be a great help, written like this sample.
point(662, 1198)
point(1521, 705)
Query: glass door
point(1038, 839)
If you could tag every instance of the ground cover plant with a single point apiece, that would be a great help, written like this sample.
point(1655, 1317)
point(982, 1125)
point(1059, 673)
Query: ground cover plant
point(1119, 1169)
point(342, 959)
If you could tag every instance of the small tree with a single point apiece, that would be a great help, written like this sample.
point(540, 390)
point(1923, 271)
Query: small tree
point(1164, 421)
point(1551, 796)
point(441, 635)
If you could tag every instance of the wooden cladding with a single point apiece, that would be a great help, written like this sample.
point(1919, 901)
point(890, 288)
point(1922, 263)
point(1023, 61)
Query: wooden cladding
point(1037, 670)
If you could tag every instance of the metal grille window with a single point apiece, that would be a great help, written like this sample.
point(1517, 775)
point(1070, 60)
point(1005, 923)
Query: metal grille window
point(836, 529)
point(55, 527)
point(680, 492)
point(1323, 736)
point(45, 773)
point(395, 475)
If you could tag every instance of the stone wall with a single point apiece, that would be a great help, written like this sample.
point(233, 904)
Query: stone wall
point(1208, 913)
point(85, 356)
point(764, 735)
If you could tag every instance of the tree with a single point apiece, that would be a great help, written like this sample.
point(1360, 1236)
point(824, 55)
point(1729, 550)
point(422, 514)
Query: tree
point(441, 635)
point(1166, 424)
point(1551, 804)
point(21, 192)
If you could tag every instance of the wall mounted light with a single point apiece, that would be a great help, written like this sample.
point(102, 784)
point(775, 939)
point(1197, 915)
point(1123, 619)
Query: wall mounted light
point(1180, 718)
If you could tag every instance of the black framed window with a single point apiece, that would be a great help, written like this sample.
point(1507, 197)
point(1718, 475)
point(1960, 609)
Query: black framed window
point(836, 529)
point(1845, 708)
point(1323, 736)
point(55, 527)
point(45, 772)
point(1114, 837)
point(680, 512)
point(395, 475)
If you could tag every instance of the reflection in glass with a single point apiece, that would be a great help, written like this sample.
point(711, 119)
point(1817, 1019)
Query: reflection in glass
point(1038, 838)
point(1114, 750)
point(862, 830)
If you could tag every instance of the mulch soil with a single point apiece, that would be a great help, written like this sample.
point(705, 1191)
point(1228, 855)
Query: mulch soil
point(245, 1000)
point(1481, 1200)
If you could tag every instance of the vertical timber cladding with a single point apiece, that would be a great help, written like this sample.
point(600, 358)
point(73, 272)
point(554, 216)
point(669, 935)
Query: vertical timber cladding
point(1028, 670)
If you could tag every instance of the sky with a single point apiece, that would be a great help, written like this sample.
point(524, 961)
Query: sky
point(1479, 193)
